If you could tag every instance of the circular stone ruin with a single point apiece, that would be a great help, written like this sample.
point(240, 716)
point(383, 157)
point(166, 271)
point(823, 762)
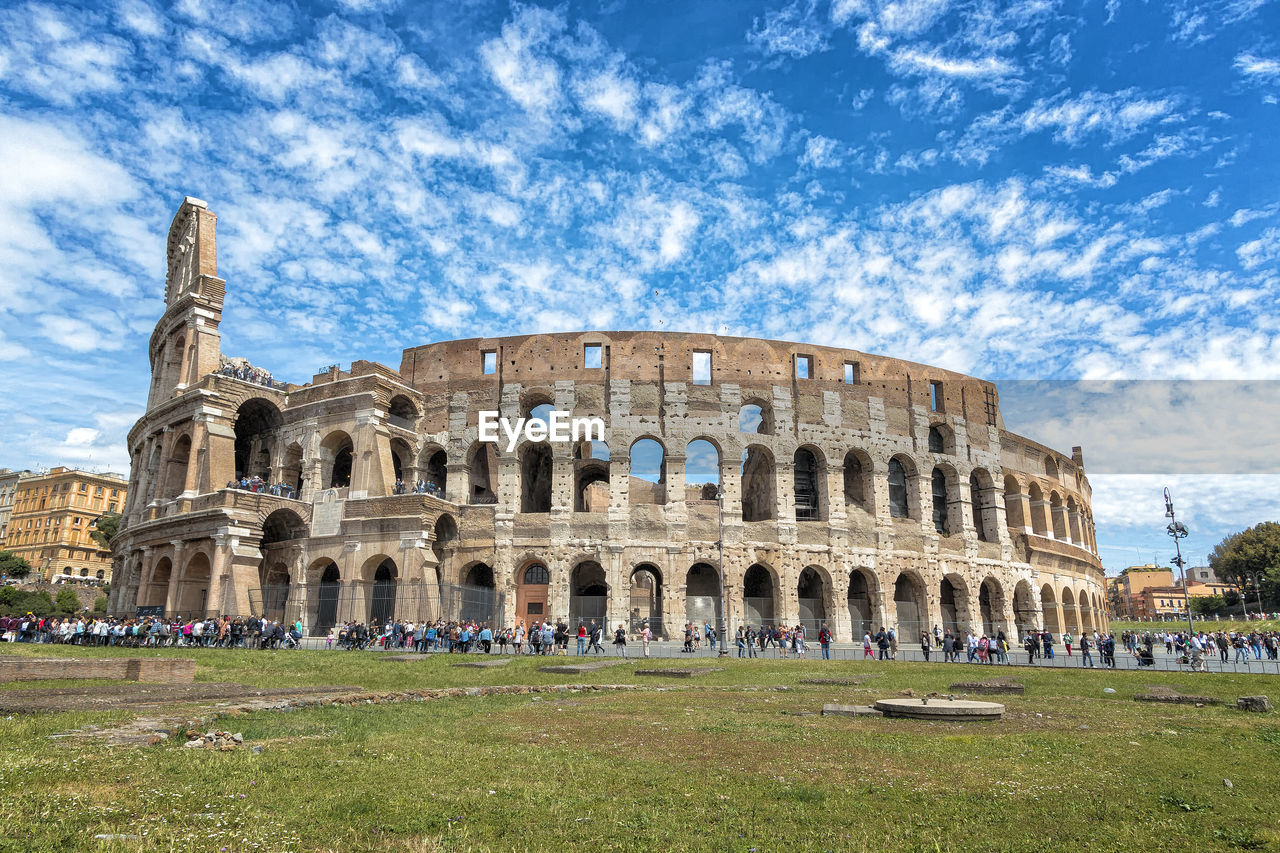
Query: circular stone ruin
point(959, 710)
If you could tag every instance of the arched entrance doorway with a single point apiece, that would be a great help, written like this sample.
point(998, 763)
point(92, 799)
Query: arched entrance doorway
point(193, 591)
point(382, 597)
point(953, 598)
point(758, 597)
point(1026, 615)
point(328, 590)
point(588, 595)
point(478, 596)
point(812, 592)
point(702, 595)
point(908, 596)
point(532, 586)
point(861, 613)
point(646, 599)
point(1049, 609)
point(991, 606)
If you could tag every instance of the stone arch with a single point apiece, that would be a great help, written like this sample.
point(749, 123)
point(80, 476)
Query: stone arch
point(482, 463)
point(1039, 515)
point(535, 477)
point(433, 471)
point(859, 481)
point(809, 474)
point(337, 456)
point(1026, 612)
point(1070, 617)
point(991, 605)
point(702, 458)
point(1085, 604)
point(864, 593)
point(813, 591)
point(291, 470)
point(759, 484)
point(403, 471)
point(760, 594)
point(982, 500)
point(444, 543)
point(1049, 610)
point(953, 601)
point(702, 602)
point(1073, 522)
point(1013, 504)
point(591, 477)
point(1057, 517)
point(911, 603)
point(175, 478)
point(1050, 468)
point(257, 422)
point(646, 598)
point(274, 572)
point(588, 594)
point(944, 495)
point(755, 417)
point(904, 498)
point(193, 587)
point(402, 412)
point(476, 599)
point(324, 577)
point(941, 440)
point(383, 575)
point(648, 482)
point(532, 582)
point(157, 591)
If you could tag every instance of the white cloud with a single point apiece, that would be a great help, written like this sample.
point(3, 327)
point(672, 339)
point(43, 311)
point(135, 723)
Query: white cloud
point(1115, 115)
point(795, 30)
point(58, 57)
point(1256, 66)
point(910, 60)
point(821, 152)
point(517, 63)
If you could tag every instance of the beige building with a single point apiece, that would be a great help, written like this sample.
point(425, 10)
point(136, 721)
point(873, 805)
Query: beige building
point(53, 517)
point(9, 481)
point(743, 479)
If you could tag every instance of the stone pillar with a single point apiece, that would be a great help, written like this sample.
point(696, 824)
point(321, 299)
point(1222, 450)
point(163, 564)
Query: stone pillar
point(176, 576)
point(457, 482)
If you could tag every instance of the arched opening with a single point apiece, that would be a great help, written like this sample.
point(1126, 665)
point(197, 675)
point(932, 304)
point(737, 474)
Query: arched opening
point(337, 454)
point(532, 587)
point(1039, 510)
point(909, 598)
point(991, 605)
point(157, 592)
point(759, 499)
point(940, 439)
point(444, 539)
point(328, 591)
point(1050, 468)
point(591, 477)
point(176, 470)
point(646, 598)
point(1049, 608)
point(274, 572)
point(901, 474)
point(402, 412)
point(479, 595)
point(1085, 603)
point(84, 573)
point(382, 597)
point(701, 470)
point(535, 477)
point(756, 417)
point(482, 461)
point(1073, 522)
point(859, 490)
point(759, 605)
point(100, 574)
point(1070, 616)
point(291, 471)
point(434, 473)
point(953, 598)
point(982, 497)
point(403, 474)
point(1013, 505)
point(257, 421)
point(193, 590)
point(1058, 517)
point(810, 473)
point(861, 610)
point(702, 595)
point(273, 583)
point(812, 593)
point(588, 594)
point(648, 484)
point(941, 515)
point(1026, 615)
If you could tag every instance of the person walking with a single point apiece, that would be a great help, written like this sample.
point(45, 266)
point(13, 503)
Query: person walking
point(645, 636)
point(882, 643)
point(1086, 656)
point(582, 639)
point(926, 642)
point(824, 640)
point(620, 641)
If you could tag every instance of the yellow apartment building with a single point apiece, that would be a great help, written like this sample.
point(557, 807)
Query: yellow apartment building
point(52, 520)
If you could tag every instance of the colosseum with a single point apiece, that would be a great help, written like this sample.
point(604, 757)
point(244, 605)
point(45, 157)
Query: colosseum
point(737, 479)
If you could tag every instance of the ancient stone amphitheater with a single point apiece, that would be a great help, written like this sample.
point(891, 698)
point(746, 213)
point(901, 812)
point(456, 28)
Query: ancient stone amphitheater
point(785, 482)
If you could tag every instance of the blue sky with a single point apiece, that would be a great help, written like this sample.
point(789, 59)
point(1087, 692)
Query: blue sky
point(1019, 190)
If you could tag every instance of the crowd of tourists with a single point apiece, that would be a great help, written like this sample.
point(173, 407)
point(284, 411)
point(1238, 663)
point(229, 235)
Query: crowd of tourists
point(422, 487)
point(1235, 647)
point(257, 484)
point(248, 373)
point(150, 631)
point(463, 636)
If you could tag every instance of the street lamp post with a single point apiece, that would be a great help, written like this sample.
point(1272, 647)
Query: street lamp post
point(1256, 579)
point(1179, 531)
point(724, 585)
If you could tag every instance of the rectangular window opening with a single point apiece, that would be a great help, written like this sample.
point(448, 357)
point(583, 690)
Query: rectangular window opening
point(804, 367)
point(935, 396)
point(701, 367)
point(852, 373)
point(592, 355)
point(489, 362)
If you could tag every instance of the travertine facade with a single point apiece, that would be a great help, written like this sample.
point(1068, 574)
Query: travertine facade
point(843, 487)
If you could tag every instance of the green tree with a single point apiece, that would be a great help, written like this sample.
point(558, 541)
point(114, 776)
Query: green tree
point(100, 604)
point(67, 600)
point(1207, 605)
point(1254, 549)
point(105, 529)
point(13, 566)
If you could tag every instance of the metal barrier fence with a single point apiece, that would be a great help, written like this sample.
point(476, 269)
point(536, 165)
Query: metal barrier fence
point(324, 606)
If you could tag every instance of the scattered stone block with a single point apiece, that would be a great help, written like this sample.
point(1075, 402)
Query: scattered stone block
point(846, 682)
point(579, 668)
point(486, 663)
point(1172, 698)
point(679, 673)
point(1256, 704)
point(832, 710)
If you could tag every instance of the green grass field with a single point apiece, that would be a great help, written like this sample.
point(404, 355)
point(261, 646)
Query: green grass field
point(719, 762)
